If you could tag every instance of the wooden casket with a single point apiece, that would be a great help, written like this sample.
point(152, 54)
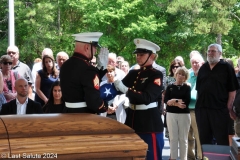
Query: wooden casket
point(68, 136)
point(235, 148)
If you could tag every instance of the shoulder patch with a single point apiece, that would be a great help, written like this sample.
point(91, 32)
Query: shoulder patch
point(96, 82)
point(157, 81)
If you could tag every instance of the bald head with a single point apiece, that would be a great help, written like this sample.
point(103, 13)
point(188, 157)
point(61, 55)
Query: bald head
point(22, 87)
point(20, 79)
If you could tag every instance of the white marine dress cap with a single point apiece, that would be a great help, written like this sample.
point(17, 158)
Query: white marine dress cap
point(88, 37)
point(145, 46)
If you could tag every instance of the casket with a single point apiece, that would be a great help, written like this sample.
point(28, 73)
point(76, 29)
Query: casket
point(68, 136)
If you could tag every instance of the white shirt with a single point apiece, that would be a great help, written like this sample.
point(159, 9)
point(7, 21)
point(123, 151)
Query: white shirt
point(21, 108)
point(36, 67)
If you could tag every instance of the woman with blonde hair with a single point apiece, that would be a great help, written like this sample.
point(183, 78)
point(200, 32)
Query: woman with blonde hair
point(177, 98)
point(9, 77)
point(45, 78)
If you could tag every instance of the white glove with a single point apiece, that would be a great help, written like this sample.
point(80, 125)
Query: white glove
point(120, 86)
point(102, 59)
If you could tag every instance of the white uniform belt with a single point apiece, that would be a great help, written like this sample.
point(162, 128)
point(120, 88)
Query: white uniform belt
point(143, 106)
point(76, 105)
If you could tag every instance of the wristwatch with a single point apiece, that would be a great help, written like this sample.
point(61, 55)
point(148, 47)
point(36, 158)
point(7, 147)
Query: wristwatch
point(176, 101)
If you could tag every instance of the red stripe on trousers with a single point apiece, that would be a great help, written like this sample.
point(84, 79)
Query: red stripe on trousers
point(154, 146)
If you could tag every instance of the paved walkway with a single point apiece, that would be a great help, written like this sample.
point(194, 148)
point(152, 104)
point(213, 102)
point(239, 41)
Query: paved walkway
point(166, 150)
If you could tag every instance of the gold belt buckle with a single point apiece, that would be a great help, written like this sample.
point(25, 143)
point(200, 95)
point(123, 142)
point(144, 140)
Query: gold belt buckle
point(133, 106)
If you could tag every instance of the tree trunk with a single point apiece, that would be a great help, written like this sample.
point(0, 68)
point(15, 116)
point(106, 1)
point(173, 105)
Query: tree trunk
point(219, 39)
point(59, 25)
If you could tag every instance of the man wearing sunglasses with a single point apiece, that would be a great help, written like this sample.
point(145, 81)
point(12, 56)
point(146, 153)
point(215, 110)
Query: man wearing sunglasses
point(22, 69)
point(79, 80)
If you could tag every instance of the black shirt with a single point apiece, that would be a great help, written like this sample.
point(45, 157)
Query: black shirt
point(79, 82)
point(214, 85)
point(145, 86)
point(178, 92)
point(54, 108)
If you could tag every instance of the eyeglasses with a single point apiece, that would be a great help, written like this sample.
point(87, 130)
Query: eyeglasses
point(175, 67)
point(5, 63)
point(10, 52)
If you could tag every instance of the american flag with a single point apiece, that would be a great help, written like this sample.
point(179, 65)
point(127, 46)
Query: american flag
point(108, 91)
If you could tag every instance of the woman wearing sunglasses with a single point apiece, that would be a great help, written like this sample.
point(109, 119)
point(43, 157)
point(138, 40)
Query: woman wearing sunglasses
point(2, 98)
point(9, 77)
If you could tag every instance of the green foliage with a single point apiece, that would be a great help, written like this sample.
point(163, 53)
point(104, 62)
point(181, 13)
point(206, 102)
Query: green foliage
point(207, 16)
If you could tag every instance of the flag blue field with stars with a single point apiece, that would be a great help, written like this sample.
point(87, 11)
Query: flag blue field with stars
point(108, 91)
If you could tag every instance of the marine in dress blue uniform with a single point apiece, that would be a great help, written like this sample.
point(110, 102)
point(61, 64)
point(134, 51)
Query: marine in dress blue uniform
point(79, 80)
point(143, 88)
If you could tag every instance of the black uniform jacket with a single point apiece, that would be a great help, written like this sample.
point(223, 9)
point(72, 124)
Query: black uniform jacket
point(163, 70)
point(11, 107)
point(79, 82)
point(145, 87)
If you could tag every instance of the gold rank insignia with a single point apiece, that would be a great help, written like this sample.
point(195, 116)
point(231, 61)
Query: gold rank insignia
point(96, 82)
point(137, 41)
point(157, 81)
